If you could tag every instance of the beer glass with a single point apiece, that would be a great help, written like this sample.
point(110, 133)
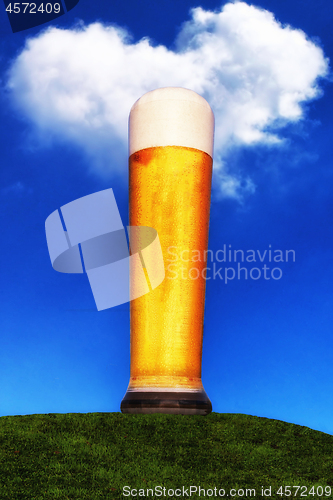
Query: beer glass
point(171, 133)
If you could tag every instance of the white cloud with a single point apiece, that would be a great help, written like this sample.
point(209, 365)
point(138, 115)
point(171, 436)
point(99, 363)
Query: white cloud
point(230, 185)
point(79, 84)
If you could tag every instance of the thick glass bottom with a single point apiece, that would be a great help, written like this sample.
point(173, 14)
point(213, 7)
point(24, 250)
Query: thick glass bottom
point(171, 402)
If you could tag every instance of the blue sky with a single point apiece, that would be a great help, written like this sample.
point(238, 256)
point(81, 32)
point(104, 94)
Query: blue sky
point(65, 97)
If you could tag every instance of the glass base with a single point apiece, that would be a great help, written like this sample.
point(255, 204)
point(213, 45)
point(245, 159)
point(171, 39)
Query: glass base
point(166, 401)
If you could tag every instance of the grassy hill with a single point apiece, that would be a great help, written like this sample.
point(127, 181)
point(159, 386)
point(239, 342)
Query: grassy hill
point(95, 455)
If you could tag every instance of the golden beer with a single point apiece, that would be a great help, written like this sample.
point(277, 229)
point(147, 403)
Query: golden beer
point(169, 190)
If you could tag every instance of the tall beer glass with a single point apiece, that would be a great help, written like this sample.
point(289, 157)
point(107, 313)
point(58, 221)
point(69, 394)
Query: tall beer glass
point(171, 133)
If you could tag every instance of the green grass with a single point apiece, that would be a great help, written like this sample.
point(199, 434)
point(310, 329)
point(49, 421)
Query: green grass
point(93, 456)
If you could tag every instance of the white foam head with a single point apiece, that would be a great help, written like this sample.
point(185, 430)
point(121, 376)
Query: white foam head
point(171, 116)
